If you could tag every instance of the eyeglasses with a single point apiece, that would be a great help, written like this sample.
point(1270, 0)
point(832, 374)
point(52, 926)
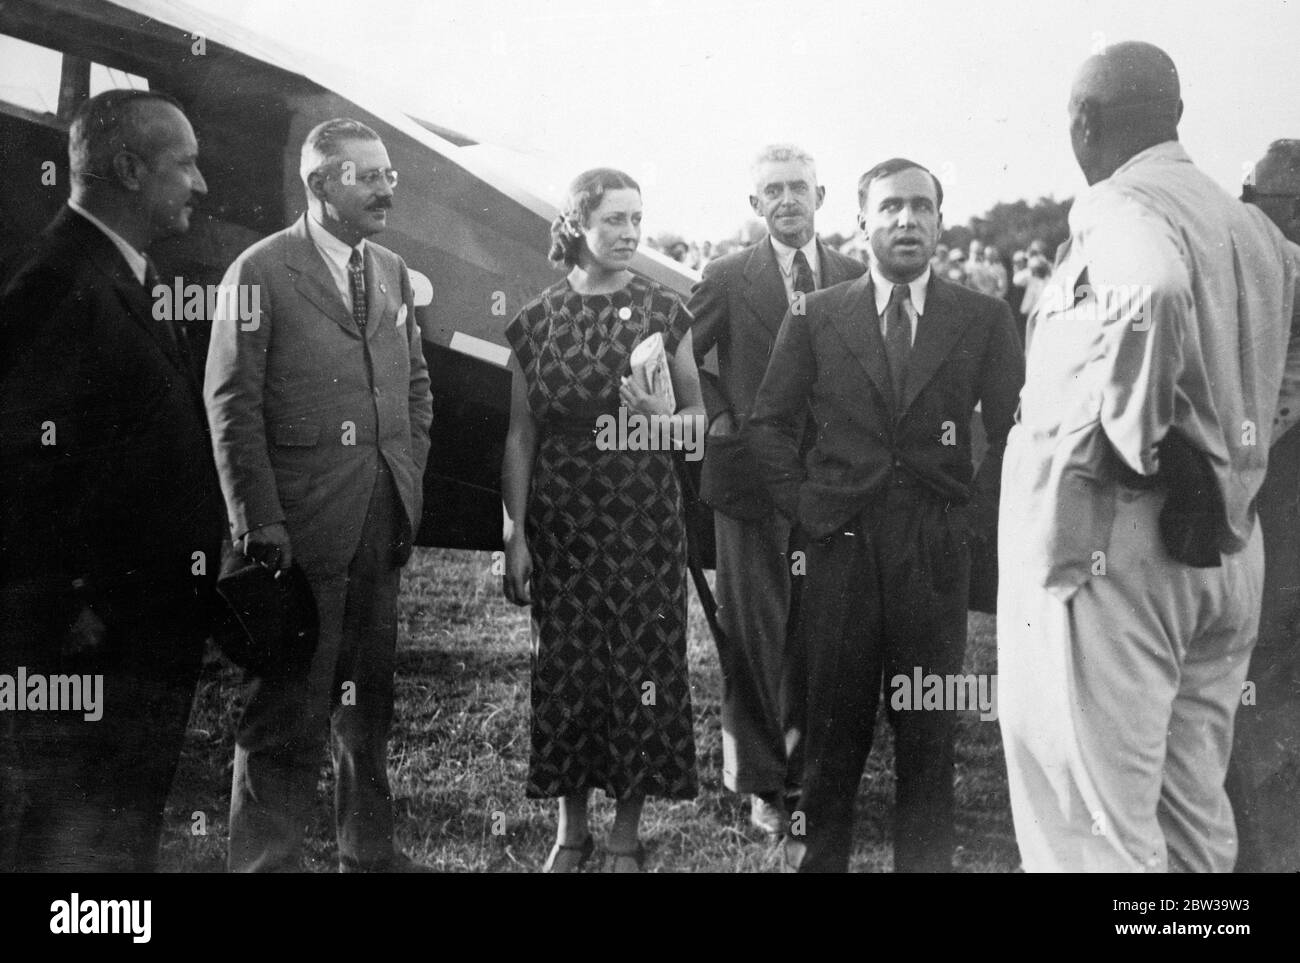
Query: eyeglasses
point(370, 178)
point(374, 177)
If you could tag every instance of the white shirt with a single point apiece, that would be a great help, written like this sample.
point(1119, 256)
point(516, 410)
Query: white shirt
point(915, 305)
point(785, 261)
point(336, 255)
point(1185, 318)
point(134, 259)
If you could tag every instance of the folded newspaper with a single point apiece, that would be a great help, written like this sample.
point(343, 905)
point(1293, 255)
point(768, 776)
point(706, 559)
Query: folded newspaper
point(650, 368)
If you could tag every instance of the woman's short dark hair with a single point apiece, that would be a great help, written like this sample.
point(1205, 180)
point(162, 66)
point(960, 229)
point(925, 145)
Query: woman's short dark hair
point(584, 196)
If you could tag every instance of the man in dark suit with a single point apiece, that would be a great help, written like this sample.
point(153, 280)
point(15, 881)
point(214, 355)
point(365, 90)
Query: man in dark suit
point(112, 514)
point(892, 365)
point(738, 307)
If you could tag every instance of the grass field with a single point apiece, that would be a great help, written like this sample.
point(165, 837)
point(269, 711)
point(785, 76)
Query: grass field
point(460, 748)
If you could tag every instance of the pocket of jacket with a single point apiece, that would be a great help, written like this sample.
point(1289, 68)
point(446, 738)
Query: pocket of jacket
point(295, 434)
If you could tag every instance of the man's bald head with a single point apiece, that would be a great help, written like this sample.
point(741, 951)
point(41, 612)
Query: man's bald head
point(1124, 100)
point(1274, 186)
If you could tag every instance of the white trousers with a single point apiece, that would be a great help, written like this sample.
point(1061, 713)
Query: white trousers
point(1117, 705)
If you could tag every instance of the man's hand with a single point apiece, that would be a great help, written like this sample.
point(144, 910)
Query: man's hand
point(269, 546)
point(519, 572)
point(724, 424)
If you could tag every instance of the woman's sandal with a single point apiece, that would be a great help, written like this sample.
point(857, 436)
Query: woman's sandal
point(625, 860)
point(569, 859)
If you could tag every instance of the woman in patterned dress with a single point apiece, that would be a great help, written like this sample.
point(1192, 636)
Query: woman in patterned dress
point(594, 533)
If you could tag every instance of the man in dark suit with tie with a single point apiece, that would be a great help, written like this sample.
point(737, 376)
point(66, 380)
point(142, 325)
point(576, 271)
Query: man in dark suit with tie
point(738, 307)
point(892, 365)
point(111, 508)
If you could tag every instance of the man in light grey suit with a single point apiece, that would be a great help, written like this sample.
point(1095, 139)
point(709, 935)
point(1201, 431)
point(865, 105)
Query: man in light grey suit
point(320, 413)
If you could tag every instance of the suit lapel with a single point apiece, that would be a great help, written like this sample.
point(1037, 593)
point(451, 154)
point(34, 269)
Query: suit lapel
point(764, 289)
point(833, 271)
point(939, 329)
point(312, 277)
point(859, 326)
point(135, 299)
point(377, 293)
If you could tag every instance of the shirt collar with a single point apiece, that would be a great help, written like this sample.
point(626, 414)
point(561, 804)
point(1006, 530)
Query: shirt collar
point(884, 287)
point(330, 246)
point(1165, 150)
point(785, 254)
point(1093, 205)
point(135, 260)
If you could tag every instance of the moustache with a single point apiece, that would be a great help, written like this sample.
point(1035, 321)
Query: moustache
point(383, 204)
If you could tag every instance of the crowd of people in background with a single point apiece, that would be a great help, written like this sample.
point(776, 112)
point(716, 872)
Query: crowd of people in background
point(1123, 470)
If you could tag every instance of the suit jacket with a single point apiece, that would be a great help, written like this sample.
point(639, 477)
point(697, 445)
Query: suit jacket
point(966, 352)
point(106, 469)
point(301, 408)
point(738, 306)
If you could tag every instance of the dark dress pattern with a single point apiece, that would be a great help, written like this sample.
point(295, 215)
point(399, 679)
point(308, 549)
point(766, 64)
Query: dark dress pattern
point(611, 706)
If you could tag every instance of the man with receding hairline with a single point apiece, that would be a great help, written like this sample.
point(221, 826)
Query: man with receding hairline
point(737, 307)
point(111, 514)
point(320, 414)
point(1131, 559)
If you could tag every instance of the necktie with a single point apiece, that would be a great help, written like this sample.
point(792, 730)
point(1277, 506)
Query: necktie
point(173, 333)
point(898, 338)
point(357, 281)
point(803, 276)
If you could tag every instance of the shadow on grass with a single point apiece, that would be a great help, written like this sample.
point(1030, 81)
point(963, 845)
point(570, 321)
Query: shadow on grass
point(459, 751)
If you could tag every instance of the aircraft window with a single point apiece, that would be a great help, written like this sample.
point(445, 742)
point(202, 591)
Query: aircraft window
point(29, 76)
point(107, 78)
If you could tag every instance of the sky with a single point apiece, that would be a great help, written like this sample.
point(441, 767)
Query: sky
point(682, 93)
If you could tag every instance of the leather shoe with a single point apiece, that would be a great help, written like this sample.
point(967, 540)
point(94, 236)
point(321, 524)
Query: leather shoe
point(792, 854)
point(569, 859)
point(397, 863)
point(767, 815)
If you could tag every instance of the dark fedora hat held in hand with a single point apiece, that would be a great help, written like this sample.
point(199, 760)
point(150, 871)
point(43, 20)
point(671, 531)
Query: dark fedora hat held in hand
point(269, 624)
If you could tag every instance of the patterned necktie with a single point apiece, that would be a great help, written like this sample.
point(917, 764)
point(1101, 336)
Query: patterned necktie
point(803, 276)
point(898, 338)
point(357, 281)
